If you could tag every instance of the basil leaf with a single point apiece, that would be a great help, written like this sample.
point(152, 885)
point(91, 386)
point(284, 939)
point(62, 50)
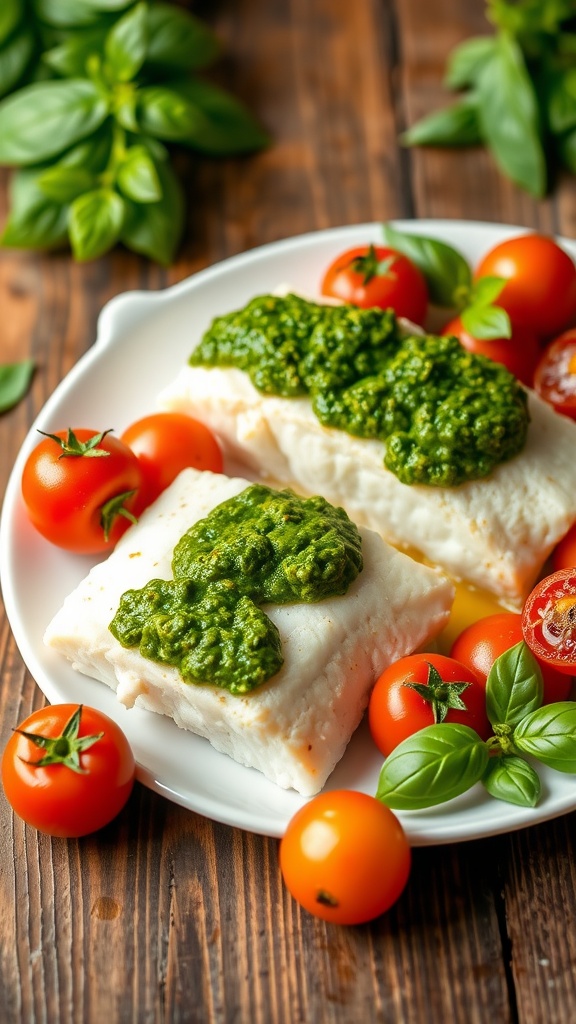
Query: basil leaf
point(72, 14)
point(567, 151)
point(155, 229)
point(509, 118)
point(164, 114)
point(561, 100)
point(511, 778)
point(513, 686)
point(125, 45)
point(549, 734)
point(41, 120)
point(447, 273)
point(486, 290)
point(137, 176)
point(64, 184)
point(95, 223)
point(179, 40)
point(14, 383)
point(457, 125)
point(92, 154)
point(34, 220)
point(466, 61)
point(15, 56)
point(126, 111)
point(11, 14)
point(70, 58)
point(223, 124)
point(435, 764)
point(486, 323)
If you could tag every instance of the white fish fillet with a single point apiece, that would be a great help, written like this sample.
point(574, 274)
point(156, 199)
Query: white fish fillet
point(496, 533)
point(296, 726)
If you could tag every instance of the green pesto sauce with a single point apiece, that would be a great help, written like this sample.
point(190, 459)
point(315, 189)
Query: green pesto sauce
point(445, 415)
point(260, 546)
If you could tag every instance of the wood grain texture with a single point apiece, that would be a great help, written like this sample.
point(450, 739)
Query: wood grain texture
point(165, 917)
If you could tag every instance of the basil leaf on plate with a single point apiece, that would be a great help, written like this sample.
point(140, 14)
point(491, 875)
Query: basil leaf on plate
point(34, 220)
point(433, 765)
point(486, 322)
point(511, 778)
point(155, 229)
point(457, 125)
point(509, 116)
point(447, 273)
point(14, 382)
point(514, 686)
point(179, 40)
point(95, 223)
point(125, 45)
point(15, 56)
point(549, 734)
point(138, 178)
point(43, 119)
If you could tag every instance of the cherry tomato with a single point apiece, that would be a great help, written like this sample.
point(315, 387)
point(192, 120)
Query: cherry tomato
point(564, 554)
point(420, 689)
point(165, 443)
point(345, 857)
point(519, 353)
point(555, 374)
point(549, 620)
point(540, 289)
point(378, 276)
point(68, 770)
point(80, 493)
point(481, 643)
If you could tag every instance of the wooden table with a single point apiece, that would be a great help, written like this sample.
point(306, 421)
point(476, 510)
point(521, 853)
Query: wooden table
point(165, 916)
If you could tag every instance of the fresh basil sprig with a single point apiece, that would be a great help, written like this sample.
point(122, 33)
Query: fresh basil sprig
point(445, 760)
point(517, 92)
point(107, 85)
point(451, 284)
point(14, 382)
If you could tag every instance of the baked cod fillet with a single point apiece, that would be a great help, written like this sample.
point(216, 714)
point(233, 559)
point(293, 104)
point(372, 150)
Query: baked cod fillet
point(495, 533)
point(295, 727)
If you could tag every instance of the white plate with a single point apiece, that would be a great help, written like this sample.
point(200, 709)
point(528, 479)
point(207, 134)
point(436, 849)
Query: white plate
point(143, 340)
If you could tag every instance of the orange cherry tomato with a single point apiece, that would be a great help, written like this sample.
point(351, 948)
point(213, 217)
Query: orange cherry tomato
point(519, 353)
point(555, 374)
point(165, 443)
point(81, 500)
point(540, 289)
point(76, 778)
point(483, 641)
point(345, 857)
point(549, 620)
point(378, 276)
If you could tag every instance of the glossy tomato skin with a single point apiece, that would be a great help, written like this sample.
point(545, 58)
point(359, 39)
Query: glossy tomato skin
point(564, 554)
point(481, 643)
point(549, 620)
point(55, 799)
point(519, 353)
point(402, 287)
point(344, 857)
point(396, 711)
point(555, 374)
point(165, 443)
point(64, 496)
point(540, 289)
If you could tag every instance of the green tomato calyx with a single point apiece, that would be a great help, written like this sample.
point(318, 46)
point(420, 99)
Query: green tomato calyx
point(442, 697)
point(64, 749)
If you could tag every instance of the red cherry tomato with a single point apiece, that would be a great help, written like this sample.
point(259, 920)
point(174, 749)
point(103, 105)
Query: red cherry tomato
point(549, 620)
point(81, 501)
point(418, 690)
point(165, 443)
point(564, 554)
point(540, 289)
point(519, 353)
point(555, 374)
point(378, 276)
point(483, 641)
point(344, 857)
point(65, 785)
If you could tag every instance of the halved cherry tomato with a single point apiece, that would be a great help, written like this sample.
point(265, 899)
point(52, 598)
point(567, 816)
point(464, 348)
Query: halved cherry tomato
point(421, 689)
point(549, 620)
point(555, 374)
point(80, 489)
point(540, 289)
point(165, 443)
point(378, 276)
point(519, 353)
point(481, 643)
point(345, 857)
point(68, 770)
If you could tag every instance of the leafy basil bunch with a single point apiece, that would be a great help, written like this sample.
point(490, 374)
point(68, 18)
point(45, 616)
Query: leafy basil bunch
point(442, 761)
point(451, 285)
point(108, 84)
point(517, 92)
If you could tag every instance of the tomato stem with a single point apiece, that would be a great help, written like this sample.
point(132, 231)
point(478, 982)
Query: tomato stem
point(441, 696)
point(64, 749)
point(73, 448)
